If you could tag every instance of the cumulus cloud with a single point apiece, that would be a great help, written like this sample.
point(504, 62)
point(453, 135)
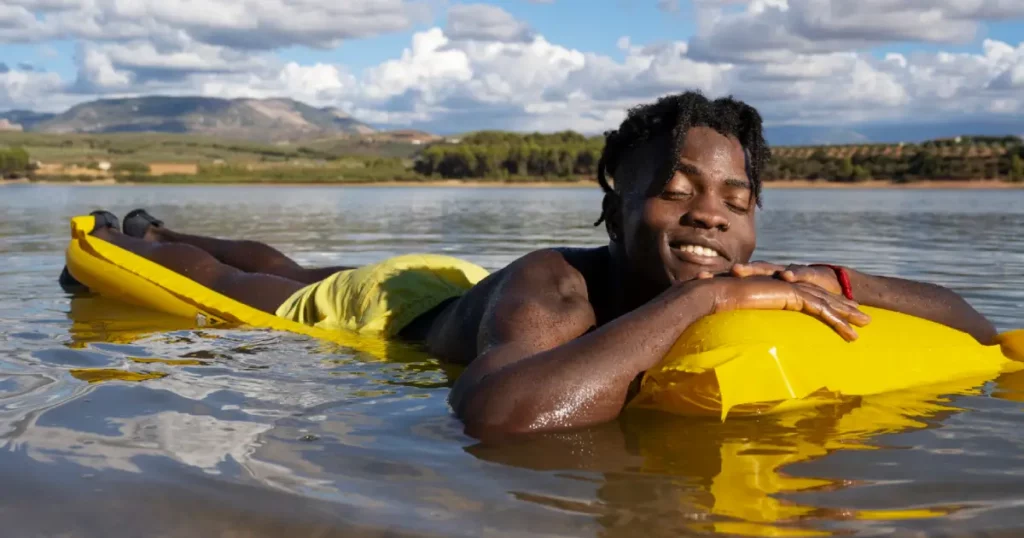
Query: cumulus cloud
point(17, 24)
point(772, 30)
point(31, 89)
point(484, 22)
point(244, 24)
point(798, 61)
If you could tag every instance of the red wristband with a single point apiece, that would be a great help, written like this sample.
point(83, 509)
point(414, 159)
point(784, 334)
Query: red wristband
point(842, 276)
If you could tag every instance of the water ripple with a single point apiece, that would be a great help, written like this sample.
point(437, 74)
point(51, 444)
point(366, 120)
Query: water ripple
point(146, 425)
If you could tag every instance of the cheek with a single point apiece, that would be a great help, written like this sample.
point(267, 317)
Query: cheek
point(644, 227)
point(658, 215)
point(746, 231)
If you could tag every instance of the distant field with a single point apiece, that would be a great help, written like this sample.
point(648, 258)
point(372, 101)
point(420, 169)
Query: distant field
point(170, 148)
point(487, 156)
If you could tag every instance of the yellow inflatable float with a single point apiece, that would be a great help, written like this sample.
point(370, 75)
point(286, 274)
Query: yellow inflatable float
point(735, 363)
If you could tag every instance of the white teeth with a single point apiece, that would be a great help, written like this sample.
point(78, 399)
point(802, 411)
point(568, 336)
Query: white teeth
point(699, 250)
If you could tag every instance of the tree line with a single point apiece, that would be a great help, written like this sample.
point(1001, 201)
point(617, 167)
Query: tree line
point(567, 155)
point(503, 155)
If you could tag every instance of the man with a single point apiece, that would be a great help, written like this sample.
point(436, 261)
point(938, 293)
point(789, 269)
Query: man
point(557, 339)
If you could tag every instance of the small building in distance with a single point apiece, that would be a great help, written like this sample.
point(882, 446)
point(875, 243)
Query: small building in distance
point(6, 125)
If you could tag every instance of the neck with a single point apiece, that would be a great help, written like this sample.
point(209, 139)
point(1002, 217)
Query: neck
point(629, 291)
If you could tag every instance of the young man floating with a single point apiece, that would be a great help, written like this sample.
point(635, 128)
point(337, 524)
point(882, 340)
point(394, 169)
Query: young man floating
point(556, 339)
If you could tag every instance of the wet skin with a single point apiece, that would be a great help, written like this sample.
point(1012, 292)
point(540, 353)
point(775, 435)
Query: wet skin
point(557, 339)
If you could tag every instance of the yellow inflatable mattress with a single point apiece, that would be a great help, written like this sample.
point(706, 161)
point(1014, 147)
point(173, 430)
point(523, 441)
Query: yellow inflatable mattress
point(738, 363)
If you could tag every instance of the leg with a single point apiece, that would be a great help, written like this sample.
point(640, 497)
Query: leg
point(247, 256)
point(265, 292)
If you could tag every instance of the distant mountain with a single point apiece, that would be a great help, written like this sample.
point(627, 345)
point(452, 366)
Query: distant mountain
point(253, 119)
point(26, 119)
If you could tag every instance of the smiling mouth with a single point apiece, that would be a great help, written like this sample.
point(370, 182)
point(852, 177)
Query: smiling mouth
point(697, 253)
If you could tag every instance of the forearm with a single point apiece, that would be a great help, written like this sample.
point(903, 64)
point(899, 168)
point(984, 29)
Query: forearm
point(927, 301)
point(582, 382)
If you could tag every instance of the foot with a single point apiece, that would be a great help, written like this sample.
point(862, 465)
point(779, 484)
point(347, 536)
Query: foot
point(105, 220)
point(140, 224)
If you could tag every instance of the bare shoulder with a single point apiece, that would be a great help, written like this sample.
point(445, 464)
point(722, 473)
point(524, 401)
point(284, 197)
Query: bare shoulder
point(543, 273)
point(539, 296)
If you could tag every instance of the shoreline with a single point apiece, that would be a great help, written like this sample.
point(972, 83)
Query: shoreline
point(978, 184)
point(788, 184)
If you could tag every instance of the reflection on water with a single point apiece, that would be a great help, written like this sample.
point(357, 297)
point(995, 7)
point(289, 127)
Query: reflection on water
point(116, 421)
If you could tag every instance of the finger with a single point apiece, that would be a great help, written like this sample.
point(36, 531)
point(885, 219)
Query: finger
point(818, 291)
point(856, 316)
point(834, 319)
point(820, 308)
point(755, 269)
point(742, 270)
point(848, 309)
point(704, 275)
point(799, 273)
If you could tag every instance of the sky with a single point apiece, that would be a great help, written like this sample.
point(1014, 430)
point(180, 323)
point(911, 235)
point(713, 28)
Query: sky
point(546, 65)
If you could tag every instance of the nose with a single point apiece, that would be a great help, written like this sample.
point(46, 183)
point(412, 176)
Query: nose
point(706, 214)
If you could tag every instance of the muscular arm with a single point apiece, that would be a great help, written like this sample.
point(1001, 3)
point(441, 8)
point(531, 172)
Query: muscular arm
point(541, 364)
point(539, 368)
point(927, 301)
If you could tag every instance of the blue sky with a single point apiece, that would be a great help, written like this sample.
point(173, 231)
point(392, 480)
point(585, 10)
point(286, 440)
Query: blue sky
point(521, 64)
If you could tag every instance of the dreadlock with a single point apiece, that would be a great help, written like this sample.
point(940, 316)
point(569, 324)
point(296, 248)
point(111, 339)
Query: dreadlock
point(676, 115)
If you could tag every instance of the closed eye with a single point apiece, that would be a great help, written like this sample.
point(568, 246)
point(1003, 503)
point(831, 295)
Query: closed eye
point(676, 195)
point(737, 208)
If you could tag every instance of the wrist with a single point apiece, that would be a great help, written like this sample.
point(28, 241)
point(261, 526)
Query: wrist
point(701, 296)
point(843, 277)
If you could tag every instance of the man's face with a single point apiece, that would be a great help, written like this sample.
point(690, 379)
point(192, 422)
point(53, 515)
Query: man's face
point(700, 219)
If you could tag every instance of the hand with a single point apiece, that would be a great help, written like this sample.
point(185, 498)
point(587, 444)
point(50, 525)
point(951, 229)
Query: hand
point(823, 277)
point(768, 293)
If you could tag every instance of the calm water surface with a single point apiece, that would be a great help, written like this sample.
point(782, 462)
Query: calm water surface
point(117, 423)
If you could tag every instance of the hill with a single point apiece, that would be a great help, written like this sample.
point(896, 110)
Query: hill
point(266, 120)
point(23, 119)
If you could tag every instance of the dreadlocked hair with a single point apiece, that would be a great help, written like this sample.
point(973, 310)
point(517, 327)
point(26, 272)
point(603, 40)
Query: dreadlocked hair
point(676, 115)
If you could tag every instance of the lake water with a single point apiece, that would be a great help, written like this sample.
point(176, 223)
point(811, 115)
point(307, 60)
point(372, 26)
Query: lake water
point(112, 425)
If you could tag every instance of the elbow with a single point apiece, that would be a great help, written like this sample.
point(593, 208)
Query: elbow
point(486, 416)
point(986, 333)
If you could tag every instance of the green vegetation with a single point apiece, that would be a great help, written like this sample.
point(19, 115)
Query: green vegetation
point(500, 155)
point(506, 156)
point(349, 170)
point(963, 158)
point(482, 156)
point(14, 162)
point(82, 149)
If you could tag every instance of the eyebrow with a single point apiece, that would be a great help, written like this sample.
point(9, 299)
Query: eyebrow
point(692, 170)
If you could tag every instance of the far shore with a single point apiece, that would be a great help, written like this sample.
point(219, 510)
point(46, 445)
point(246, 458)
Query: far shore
point(985, 184)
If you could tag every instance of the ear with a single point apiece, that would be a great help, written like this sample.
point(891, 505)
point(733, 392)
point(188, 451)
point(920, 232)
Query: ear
point(612, 207)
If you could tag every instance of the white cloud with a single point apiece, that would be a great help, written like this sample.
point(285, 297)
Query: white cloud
point(318, 85)
point(29, 89)
point(96, 73)
point(18, 24)
point(796, 60)
point(484, 22)
point(242, 24)
point(773, 30)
